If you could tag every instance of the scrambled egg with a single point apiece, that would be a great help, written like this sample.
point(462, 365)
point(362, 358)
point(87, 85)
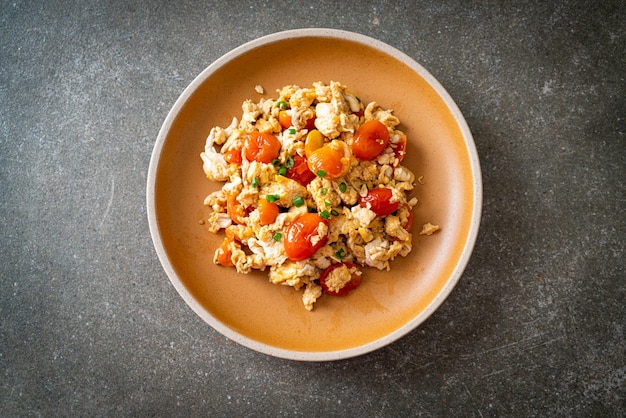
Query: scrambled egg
point(353, 233)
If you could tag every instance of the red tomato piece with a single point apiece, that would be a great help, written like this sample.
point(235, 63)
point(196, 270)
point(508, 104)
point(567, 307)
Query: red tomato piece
point(302, 240)
point(233, 156)
point(399, 149)
point(380, 201)
point(261, 146)
point(354, 282)
point(370, 140)
point(300, 171)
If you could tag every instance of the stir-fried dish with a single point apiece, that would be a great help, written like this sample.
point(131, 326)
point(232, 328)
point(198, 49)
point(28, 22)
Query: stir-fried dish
point(314, 189)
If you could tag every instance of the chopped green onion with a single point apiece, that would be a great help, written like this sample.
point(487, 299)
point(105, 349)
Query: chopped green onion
point(325, 214)
point(343, 187)
point(327, 203)
point(334, 212)
point(289, 162)
point(255, 182)
point(282, 171)
point(272, 198)
point(292, 131)
point(278, 236)
point(275, 162)
point(321, 173)
point(282, 105)
point(323, 191)
point(298, 201)
point(341, 253)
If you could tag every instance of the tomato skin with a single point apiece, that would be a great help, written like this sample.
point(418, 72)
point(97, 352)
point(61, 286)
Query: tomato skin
point(235, 210)
point(331, 161)
point(354, 282)
point(370, 140)
point(399, 149)
point(233, 156)
point(284, 118)
point(298, 242)
point(300, 171)
point(379, 199)
point(223, 253)
point(261, 146)
point(268, 212)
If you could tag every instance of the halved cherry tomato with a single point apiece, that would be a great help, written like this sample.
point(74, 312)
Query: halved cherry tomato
point(235, 210)
point(302, 240)
point(370, 140)
point(300, 171)
point(284, 118)
point(380, 201)
point(233, 156)
point(399, 149)
point(354, 282)
point(331, 161)
point(261, 146)
point(268, 211)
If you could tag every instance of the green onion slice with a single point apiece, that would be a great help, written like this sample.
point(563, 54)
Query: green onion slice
point(321, 173)
point(343, 187)
point(325, 214)
point(272, 198)
point(278, 236)
point(298, 201)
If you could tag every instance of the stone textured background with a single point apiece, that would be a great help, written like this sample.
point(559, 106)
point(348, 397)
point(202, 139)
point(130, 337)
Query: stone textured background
point(91, 326)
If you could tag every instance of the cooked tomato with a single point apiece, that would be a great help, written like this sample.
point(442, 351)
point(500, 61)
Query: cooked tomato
point(331, 161)
point(300, 171)
point(302, 240)
point(233, 156)
point(380, 201)
point(354, 282)
point(235, 210)
point(268, 211)
point(261, 146)
point(399, 149)
point(370, 140)
point(223, 254)
point(314, 141)
point(284, 118)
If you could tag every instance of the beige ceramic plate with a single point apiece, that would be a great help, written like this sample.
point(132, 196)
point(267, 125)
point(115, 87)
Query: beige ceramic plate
point(269, 318)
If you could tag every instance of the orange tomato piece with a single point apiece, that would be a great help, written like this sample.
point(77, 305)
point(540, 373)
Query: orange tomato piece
point(331, 161)
point(302, 240)
point(284, 118)
point(261, 146)
point(268, 212)
point(233, 156)
point(223, 253)
point(235, 210)
point(370, 140)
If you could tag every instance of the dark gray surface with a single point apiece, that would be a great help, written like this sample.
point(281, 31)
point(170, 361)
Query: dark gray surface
point(90, 324)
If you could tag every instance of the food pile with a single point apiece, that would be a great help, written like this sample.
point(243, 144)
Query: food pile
point(314, 189)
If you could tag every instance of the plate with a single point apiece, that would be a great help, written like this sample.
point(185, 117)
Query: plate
point(271, 319)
